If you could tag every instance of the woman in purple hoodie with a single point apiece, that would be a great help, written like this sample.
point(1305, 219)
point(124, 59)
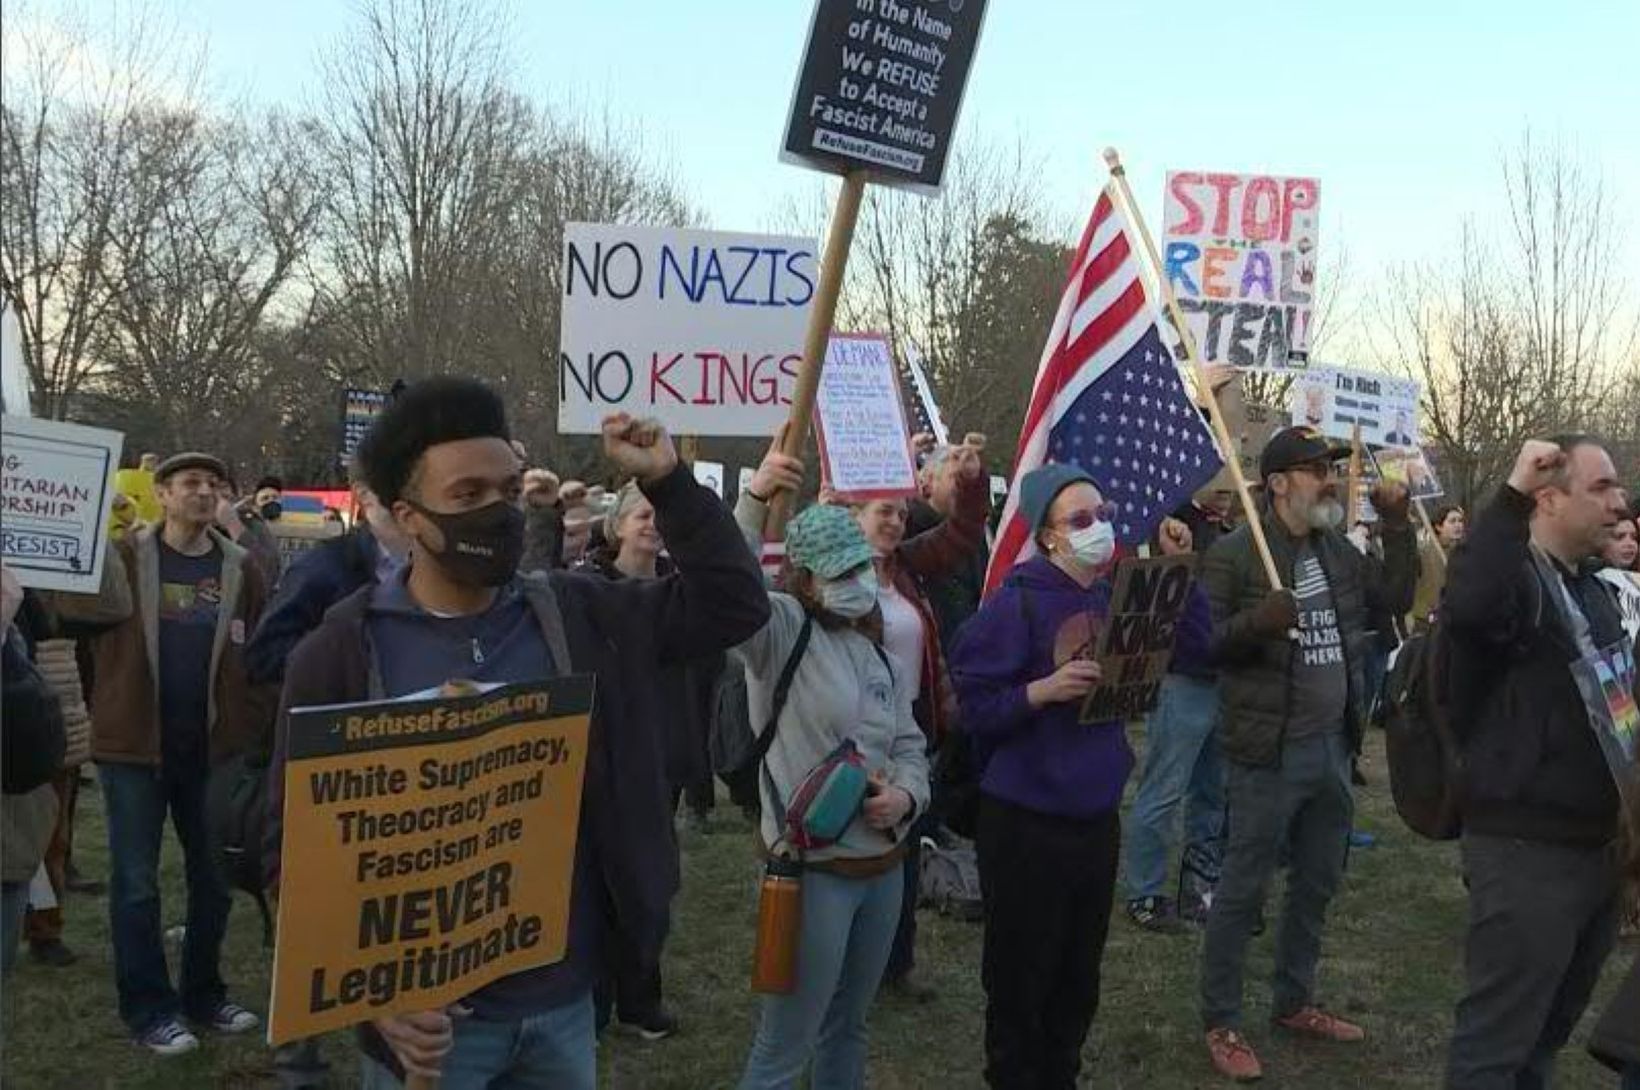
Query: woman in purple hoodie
point(1050, 787)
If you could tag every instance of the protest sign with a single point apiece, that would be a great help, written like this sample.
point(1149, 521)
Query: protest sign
point(359, 411)
point(710, 474)
point(1137, 644)
point(295, 538)
point(744, 481)
point(14, 383)
point(56, 493)
point(1333, 400)
point(881, 86)
point(860, 423)
point(1239, 253)
point(1411, 468)
point(999, 487)
point(428, 850)
point(701, 329)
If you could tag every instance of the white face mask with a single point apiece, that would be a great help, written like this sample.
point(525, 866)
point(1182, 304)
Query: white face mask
point(850, 598)
point(1094, 546)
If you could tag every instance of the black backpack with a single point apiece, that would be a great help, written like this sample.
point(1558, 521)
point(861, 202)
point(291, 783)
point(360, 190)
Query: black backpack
point(1425, 760)
point(236, 814)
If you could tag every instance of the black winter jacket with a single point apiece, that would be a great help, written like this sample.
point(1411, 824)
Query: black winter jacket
point(1255, 672)
point(1532, 766)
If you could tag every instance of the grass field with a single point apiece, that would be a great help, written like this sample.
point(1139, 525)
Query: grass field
point(1392, 961)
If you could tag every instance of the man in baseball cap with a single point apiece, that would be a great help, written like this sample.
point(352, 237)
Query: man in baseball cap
point(1291, 694)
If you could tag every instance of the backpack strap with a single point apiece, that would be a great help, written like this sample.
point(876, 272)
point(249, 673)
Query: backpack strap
point(782, 690)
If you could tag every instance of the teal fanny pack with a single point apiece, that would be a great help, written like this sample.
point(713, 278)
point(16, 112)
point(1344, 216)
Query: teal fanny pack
point(827, 800)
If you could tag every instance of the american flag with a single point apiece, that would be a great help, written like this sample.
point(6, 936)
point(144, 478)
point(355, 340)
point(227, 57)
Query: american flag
point(1108, 398)
point(925, 414)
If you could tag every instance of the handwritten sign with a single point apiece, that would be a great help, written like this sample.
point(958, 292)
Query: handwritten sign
point(1145, 606)
point(359, 411)
point(881, 86)
point(702, 329)
point(428, 850)
point(1239, 251)
point(710, 474)
point(1334, 400)
point(860, 422)
point(56, 492)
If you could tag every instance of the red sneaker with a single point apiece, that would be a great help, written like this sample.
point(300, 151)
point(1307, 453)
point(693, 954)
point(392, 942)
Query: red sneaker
point(1315, 1022)
point(1232, 1056)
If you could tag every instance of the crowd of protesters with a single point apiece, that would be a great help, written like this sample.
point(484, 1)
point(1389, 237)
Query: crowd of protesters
point(873, 640)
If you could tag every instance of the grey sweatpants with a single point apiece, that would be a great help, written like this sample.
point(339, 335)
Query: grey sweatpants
point(1542, 918)
point(1303, 806)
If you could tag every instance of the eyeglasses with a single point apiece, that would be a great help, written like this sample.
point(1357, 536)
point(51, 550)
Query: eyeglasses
point(1321, 471)
point(1084, 519)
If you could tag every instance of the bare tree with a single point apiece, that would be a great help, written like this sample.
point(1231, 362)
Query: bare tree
point(68, 101)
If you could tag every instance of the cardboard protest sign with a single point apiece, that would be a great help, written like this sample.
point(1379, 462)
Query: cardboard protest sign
point(881, 86)
point(359, 411)
point(1239, 251)
point(1411, 468)
point(1334, 400)
point(429, 849)
point(14, 383)
point(710, 474)
point(860, 423)
point(56, 493)
point(1137, 645)
point(701, 329)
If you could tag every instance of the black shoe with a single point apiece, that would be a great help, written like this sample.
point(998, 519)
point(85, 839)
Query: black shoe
point(75, 882)
point(53, 953)
point(656, 1027)
point(1156, 914)
point(910, 989)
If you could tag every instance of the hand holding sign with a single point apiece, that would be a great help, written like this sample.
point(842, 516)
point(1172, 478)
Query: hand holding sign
point(1070, 682)
point(420, 1040)
point(778, 472)
point(639, 448)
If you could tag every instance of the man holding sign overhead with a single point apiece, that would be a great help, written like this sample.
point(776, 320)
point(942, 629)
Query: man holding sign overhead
point(439, 459)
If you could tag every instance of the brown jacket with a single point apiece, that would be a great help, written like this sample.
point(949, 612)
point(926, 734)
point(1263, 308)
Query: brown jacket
point(125, 697)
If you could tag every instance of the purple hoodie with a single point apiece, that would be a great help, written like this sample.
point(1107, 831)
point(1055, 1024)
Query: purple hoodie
point(1043, 759)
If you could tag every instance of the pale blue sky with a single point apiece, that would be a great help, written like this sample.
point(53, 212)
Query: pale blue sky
point(1400, 107)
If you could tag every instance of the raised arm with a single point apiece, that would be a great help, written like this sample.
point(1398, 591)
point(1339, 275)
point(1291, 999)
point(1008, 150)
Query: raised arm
point(949, 546)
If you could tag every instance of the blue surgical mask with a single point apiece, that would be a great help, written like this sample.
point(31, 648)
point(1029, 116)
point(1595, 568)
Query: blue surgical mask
point(850, 598)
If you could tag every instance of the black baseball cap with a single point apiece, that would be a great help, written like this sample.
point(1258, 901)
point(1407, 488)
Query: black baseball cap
point(1296, 446)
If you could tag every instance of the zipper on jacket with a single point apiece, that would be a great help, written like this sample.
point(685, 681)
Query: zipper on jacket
point(478, 652)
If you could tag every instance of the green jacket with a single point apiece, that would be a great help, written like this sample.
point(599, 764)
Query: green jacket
point(1256, 673)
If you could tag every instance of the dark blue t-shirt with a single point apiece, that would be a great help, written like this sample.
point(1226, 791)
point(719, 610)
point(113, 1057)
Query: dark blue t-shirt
point(416, 650)
point(190, 594)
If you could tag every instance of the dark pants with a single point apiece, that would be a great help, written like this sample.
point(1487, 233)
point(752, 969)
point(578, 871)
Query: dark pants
point(631, 987)
point(137, 800)
point(1302, 807)
point(1542, 918)
point(902, 956)
point(45, 925)
point(1048, 883)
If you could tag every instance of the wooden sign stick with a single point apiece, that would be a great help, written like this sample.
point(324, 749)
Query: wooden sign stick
point(1204, 388)
point(833, 261)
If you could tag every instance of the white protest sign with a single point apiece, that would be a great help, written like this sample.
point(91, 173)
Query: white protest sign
point(999, 487)
point(710, 474)
point(860, 422)
point(745, 480)
point(1333, 400)
point(701, 329)
point(1239, 252)
point(1411, 468)
point(55, 492)
point(14, 384)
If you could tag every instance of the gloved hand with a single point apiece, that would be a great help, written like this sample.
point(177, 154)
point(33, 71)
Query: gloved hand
point(1276, 615)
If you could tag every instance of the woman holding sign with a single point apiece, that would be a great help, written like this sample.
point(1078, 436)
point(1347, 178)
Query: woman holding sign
point(1050, 787)
point(843, 775)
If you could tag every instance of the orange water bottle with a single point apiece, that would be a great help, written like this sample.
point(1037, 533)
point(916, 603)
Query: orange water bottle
point(779, 924)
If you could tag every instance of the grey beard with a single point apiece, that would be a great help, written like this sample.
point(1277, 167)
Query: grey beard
point(1326, 515)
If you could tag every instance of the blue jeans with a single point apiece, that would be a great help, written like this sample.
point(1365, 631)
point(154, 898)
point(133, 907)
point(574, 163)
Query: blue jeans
point(848, 927)
point(554, 1050)
point(1631, 1077)
point(1182, 765)
point(13, 904)
point(137, 799)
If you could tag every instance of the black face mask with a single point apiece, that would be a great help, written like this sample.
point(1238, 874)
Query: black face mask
point(271, 510)
point(482, 547)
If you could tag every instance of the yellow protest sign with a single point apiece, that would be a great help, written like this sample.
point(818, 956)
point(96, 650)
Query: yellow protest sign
point(429, 848)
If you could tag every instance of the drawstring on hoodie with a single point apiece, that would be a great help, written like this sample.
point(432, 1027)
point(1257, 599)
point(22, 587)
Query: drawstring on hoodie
point(478, 652)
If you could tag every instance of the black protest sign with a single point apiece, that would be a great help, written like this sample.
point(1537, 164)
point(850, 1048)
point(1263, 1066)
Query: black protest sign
point(881, 86)
point(1145, 607)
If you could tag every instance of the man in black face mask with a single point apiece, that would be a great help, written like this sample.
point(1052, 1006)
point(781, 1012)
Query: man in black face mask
point(438, 458)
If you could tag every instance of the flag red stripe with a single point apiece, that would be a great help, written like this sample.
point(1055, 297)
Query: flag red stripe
point(1108, 324)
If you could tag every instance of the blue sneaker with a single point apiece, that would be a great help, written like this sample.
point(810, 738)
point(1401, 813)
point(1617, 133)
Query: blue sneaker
point(1362, 839)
